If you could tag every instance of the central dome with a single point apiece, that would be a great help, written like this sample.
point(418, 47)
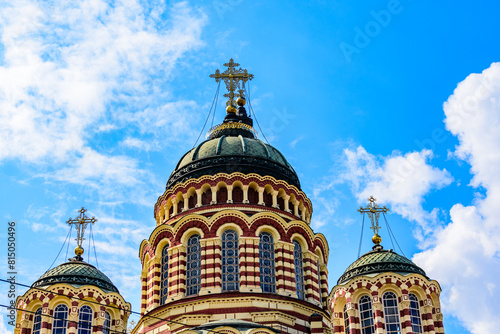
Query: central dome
point(232, 147)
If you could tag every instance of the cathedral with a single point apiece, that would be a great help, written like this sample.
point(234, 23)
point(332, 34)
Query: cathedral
point(233, 252)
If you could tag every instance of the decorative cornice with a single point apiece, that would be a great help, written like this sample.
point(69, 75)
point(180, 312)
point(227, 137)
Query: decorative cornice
point(233, 163)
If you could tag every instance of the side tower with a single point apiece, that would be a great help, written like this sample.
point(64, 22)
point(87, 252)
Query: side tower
point(383, 292)
point(74, 297)
point(233, 250)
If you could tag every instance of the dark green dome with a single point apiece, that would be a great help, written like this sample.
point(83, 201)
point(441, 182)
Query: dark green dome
point(233, 148)
point(379, 261)
point(76, 273)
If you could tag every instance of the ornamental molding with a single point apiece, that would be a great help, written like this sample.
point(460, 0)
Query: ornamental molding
point(272, 317)
point(230, 164)
point(229, 179)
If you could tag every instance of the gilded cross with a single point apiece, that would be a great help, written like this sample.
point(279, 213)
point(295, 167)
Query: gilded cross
point(373, 211)
point(81, 222)
point(232, 77)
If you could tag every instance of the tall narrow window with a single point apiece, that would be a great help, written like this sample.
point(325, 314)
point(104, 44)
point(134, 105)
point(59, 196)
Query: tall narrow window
point(253, 196)
point(37, 321)
point(281, 203)
point(237, 195)
point(266, 263)
point(319, 285)
point(347, 330)
point(416, 320)
point(164, 275)
point(230, 261)
point(192, 201)
point(206, 197)
point(222, 195)
point(268, 199)
point(85, 320)
point(106, 327)
point(366, 315)
point(193, 265)
point(391, 313)
point(299, 270)
point(60, 319)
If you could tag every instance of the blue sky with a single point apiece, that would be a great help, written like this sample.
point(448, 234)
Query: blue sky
point(396, 99)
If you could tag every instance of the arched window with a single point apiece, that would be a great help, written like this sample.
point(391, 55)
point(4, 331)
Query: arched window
point(416, 320)
point(85, 320)
point(192, 201)
point(164, 275)
point(319, 285)
point(391, 313)
point(299, 270)
point(222, 195)
point(268, 199)
point(60, 319)
point(266, 263)
point(281, 203)
point(37, 321)
point(347, 330)
point(366, 315)
point(193, 264)
point(230, 261)
point(237, 195)
point(206, 197)
point(253, 196)
point(180, 206)
point(106, 327)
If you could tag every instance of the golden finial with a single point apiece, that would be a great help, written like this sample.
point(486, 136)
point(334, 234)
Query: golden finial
point(234, 79)
point(230, 109)
point(79, 250)
point(374, 211)
point(81, 222)
point(241, 101)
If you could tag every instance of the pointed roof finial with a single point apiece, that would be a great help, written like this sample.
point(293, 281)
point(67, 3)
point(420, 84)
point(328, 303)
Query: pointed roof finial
point(374, 211)
point(235, 80)
point(81, 222)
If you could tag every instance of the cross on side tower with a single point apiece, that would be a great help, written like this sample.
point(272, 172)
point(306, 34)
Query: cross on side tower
point(81, 222)
point(232, 77)
point(374, 211)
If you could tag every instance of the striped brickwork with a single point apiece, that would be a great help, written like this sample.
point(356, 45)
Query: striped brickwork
point(74, 298)
point(248, 254)
point(248, 216)
point(427, 291)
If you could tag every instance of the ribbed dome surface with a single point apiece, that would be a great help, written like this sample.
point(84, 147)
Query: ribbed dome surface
point(236, 153)
point(76, 273)
point(233, 146)
point(380, 261)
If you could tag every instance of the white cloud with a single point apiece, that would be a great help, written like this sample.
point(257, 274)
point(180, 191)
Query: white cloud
point(74, 70)
point(466, 256)
point(3, 322)
point(399, 181)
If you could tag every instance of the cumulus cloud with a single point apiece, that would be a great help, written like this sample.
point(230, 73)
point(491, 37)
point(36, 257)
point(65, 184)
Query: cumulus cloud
point(73, 71)
point(400, 181)
point(466, 255)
